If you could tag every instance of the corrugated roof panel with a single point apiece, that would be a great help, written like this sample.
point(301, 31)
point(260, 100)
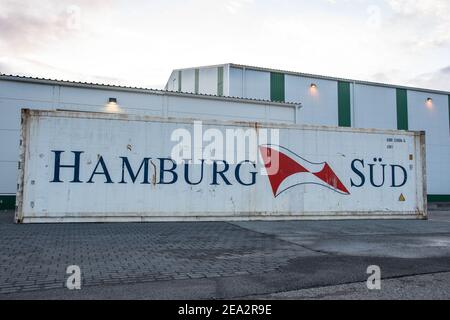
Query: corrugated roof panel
point(135, 89)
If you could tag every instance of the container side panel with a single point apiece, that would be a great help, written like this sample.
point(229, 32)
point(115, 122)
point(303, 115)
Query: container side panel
point(333, 172)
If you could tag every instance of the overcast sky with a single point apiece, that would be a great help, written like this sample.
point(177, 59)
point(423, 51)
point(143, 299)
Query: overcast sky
point(138, 43)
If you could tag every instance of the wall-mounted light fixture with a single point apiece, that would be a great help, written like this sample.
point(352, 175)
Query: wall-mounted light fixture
point(112, 105)
point(313, 90)
point(429, 102)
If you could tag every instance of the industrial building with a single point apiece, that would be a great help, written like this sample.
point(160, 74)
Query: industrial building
point(44, 94)
point(237, 92)
point(339, 102)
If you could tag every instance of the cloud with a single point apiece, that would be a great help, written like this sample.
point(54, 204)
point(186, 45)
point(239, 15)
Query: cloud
point(233, 6)
point(387, 76)
point(140, 43)
point(435, 80)
point(445, 70)
point(26, 26)
point(439, 79)
point(32, 33)
point(421, 24)
point(22, 67)
point(436, 8)
point(4, 68)
point(428, 21)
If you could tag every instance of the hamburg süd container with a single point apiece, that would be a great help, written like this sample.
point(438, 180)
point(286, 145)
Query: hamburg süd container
point(99, 167)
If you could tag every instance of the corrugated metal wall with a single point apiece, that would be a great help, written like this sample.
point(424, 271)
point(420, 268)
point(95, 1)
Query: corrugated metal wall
point(243, 191)
point(346, 103)
point(17, 95)
point(433, 119)
point(328, 102)
point(374, 107)
point(318, 106)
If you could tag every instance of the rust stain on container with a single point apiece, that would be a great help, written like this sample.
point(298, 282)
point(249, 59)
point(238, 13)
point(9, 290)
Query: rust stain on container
point(154, 173)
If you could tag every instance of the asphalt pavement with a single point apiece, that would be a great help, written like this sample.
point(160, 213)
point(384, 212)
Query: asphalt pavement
point(222, 260)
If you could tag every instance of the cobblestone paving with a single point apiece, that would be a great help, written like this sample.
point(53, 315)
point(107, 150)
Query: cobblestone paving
point(35, 256)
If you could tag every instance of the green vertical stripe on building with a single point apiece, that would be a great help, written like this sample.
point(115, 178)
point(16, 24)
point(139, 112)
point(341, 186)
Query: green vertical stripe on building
point(220, 81)
point(277, 86)
point(7, 202)
point(402, 109)
point(344, 106)
point(179, 81)
point(197, 75)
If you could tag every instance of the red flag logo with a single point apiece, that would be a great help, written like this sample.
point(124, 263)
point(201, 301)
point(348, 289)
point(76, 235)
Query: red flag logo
point(286, 169)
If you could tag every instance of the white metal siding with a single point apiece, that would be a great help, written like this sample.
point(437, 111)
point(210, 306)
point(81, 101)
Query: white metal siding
point(374, 107)
point(249, 83)
point(433, 119)
point(172, 83)
point(9, 143)
point(226, 80)
point(188, 80)
point(13, 97)
point(256, 85)
point(202, 109)
point(235, 82)
point(26, 91)
point(319, 106)
point(17, 95)
point(8, 172)
point(208, 81)
point(86, 99)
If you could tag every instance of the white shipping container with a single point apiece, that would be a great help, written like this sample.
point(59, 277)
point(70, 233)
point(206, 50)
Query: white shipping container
point(97, 167)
